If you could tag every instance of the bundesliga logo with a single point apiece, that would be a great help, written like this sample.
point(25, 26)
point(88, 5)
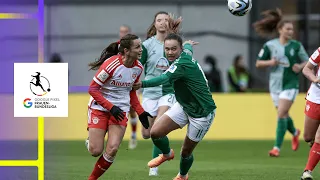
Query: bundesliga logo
point(39, 85)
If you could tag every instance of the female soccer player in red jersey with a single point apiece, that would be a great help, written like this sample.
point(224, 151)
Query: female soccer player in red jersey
point(312, 114)
point(124, 30)
point(111, 96)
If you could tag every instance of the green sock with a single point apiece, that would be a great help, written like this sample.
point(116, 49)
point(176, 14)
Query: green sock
point(291, 127)
point(281, 131)
point(185, 164)
point(162, 144)
point(155, 151)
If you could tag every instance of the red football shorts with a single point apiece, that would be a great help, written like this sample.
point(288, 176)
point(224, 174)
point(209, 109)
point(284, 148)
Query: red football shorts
point(312, 110)
point(102, 120)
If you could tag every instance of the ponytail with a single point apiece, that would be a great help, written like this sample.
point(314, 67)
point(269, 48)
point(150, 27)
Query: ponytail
point(109, 51)
point(113, 49)
point(269, 24)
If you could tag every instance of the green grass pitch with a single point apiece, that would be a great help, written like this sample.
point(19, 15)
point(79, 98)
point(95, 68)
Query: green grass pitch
point(214, 160)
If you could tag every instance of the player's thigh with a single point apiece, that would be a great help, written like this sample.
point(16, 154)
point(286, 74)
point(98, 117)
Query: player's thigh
point(161, 111)
point(312, 120)
point(275, 98)
point(150, 106)
point(98, 119)
point(165, 103)
point(198, 127)
point(286, 99)
point(317, 136)
point(97, 126)
point(171, 120)
point(115, 136)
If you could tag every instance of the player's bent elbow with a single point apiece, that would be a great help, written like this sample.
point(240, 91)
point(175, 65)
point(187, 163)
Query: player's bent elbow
point(258, 64)
point(305, 71)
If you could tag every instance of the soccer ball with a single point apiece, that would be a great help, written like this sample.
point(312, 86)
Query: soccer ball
point(239, 7)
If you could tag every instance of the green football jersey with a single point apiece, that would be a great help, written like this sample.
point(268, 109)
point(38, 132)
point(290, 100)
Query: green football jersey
point(190, 85)
point(282, 77)
point(155, 63)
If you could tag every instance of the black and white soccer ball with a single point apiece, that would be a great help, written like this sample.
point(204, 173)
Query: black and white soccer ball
point(239, 7)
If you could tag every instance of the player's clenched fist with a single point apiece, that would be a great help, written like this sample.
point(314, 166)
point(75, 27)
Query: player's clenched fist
point(137, 85)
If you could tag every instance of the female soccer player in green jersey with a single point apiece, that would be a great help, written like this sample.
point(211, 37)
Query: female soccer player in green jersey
point(158, 99)
point(194, 105)
point(286, 57)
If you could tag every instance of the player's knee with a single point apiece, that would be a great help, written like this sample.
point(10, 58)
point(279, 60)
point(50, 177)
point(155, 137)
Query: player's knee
point(317, 138)
point(155, 134)
point(112, 150)
point(307, 138)
point(283, 114)
point(95, 151)
point(145, 134)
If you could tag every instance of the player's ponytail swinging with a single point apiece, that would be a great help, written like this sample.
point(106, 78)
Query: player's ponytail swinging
point(109, 51)
point(113, 49)
point(270, 23)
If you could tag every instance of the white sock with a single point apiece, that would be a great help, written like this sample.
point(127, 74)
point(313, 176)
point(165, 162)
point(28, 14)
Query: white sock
point(134, 120)
point(181, 175)
point(155, 168)
point(167, 155)
point(275, 147)
point(133, 135)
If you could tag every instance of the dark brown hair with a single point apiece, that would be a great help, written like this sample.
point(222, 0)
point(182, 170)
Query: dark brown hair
point(238, 68)
point(173, 36)
point(270, 23)
point(114, 49)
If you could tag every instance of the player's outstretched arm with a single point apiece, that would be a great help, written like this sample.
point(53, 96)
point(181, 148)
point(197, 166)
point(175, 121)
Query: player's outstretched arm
point(155, 81)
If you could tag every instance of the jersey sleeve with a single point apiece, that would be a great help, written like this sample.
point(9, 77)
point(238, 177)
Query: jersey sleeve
point(144, 55)
point(175, 72)
point(157, 81)
point(94, 91)
point(303, 53)
point(315, 57)
point(187, 51)
point(105, 71)
point(264, 53)
point(135, 103)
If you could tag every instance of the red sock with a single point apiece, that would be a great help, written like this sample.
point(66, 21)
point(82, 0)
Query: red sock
point(134, 127)
point(100, 167)
point(314, 157)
